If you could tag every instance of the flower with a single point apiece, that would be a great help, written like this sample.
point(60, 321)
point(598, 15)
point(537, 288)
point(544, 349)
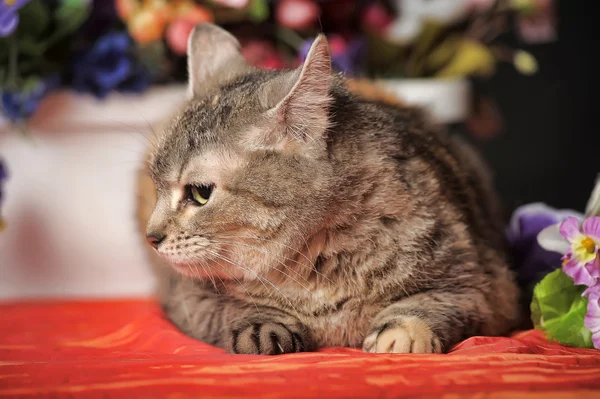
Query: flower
point(178, 33)
point(375, 18)
point(346, 56)
point(582, 262)
point(147, 21)
point(535, 261)
point(21, 104)
point(297, 14)
point(414, 14)
point(592, 318)
point(593, 206)
point(262, 54)
point(108, 66)
point(9, 18)
point(233, 3)
point(550, 238)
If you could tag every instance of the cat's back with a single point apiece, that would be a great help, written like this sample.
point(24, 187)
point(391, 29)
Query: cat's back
point(369, 120)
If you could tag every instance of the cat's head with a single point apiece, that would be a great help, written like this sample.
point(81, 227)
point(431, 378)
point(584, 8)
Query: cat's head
point(242, 173)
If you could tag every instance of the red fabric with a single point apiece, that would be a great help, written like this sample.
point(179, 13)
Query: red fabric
point(126, 349)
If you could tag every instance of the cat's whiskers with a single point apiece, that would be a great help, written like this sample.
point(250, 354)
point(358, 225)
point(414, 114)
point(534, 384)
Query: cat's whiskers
point(290, 277)
point(265, 252)
point(216, 255)
point(281, 294)
point(310, 262)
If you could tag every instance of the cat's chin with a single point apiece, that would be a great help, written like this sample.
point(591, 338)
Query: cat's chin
point(197, 271)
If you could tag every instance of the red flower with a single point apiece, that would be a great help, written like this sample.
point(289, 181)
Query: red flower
point(262, 54)
point(376, 18)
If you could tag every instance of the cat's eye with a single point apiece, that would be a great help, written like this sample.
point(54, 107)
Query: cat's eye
point(199, 194)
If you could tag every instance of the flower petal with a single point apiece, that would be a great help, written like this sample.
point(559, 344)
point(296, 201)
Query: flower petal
point(593, 206)
point(551, 240)
point(593, 267)
point(570, 229)
point(591, 227)
point(592, 318)
point(592, 289)
point(8, 23)
point(578, 272)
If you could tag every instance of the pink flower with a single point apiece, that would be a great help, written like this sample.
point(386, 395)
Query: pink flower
point(582, 262)
point(592, 318)
point(375, 18)
point(233, 3)
point(178, 33)
point(297, 14)
point(262, 54)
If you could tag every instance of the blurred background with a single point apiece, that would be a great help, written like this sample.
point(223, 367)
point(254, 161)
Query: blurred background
point(82, 83)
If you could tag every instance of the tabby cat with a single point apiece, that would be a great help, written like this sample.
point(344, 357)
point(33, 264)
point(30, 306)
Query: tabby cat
point(288, 212)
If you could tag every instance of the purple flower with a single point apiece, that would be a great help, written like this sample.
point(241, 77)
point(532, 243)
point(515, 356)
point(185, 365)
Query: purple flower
point(592, 318)
point(534, 261)
point(109, 65)
point(346, 56)
point(20, 105)
point(9, 18)
point(582, 262)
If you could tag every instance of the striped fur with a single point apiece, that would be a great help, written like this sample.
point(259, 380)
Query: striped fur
point(375, 230)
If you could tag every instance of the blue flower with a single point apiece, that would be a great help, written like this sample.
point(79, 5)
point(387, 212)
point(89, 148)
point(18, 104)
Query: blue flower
point(109, 65)
point(20, 105)
point(9, 18)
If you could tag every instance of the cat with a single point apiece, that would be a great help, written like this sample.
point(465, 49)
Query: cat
point(288, 211)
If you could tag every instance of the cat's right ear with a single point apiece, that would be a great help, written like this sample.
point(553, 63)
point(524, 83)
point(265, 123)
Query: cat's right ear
point(214, 56)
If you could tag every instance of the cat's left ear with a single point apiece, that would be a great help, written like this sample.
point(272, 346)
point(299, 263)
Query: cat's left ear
point(214, 57)
point(298, 101)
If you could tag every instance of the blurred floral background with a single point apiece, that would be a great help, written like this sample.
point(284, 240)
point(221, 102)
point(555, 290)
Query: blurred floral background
point(98, 47)
point(127, 45)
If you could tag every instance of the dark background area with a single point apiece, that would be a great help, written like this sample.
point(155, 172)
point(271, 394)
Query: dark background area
point(549, 149)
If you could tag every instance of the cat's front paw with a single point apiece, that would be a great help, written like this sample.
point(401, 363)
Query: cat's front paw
point(408, 334)
point(267, 337)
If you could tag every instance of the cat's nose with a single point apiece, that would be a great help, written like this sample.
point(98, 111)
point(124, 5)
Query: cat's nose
point(155, 239)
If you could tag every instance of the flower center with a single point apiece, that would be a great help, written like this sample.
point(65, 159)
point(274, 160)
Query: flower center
point(588, 244)
point(9, 2)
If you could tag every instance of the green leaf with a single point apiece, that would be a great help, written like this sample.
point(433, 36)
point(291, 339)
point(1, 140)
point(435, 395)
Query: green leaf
point(34, 18)
point(30, 46)
point(71, 14)
point(258, 10)
point(559, 310)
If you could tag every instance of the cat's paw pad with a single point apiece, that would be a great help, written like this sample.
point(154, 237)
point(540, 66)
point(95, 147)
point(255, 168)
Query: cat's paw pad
point(259, 337)
point(407, 335)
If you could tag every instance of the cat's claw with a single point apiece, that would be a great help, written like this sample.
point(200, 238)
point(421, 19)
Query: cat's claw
point(407, 335)
point(260, 337)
